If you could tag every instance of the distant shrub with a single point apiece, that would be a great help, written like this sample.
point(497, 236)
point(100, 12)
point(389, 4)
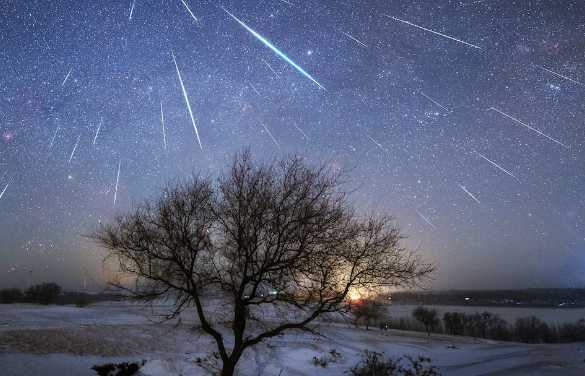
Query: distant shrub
point(44, 293)
point(9, 296)
point(374, 364)
point(324, 360)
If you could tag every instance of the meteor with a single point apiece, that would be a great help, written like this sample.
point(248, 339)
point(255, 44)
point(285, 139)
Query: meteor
point(527, 126)
point(301, 131)
point(274, 49)
point(53, 139)
point(434, 101)
point(377, 143)
point(67, 77)
point(189, 10)
point(162, 121)
point(496, 165)
point(469, 193)
point(425, 219)
point(271, 69)
point(255, 90)
point(271, 136)
point(434, 32)
point(74, 148)
point(354, 39)
point(4, 190)
point(97, 133)
point(131, 10)
point(187, 101)
point(560, 75)
point(117, 181)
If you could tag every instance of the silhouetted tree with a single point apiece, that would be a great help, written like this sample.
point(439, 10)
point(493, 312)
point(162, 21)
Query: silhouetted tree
point(454, 322)
point(280, 235)
point(428, 317)
point(44, 293)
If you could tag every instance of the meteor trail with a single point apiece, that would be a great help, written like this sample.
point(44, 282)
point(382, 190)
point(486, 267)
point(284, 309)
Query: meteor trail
point(131, 10)
point(560, 75)
point(354, 39)
point(67, 77)
point(527, 126)
point(255, 90)
point(187, 101)
point(4, 190)
point(271, 69)
point(74, 148)
point(274, 49)
point(434, 32)
point(377, 143)
point(301, 131)
point(189, 10)
point(469, 193)
point(162, 121)
point(435, 102)
point(271, 136)
point(117, 181)
point(97, 133)
point(496, 165)
point(53, 139)
point(425, 219)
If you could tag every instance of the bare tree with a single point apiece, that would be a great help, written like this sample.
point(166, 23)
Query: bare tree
point(273, 240)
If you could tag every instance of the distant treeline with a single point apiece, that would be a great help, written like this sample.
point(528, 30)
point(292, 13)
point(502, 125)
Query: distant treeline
point(569, 298)
point(489, 326)
point(52, 293)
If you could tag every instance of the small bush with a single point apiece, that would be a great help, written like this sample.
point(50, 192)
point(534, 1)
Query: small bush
point(44, 293)
point(374, 364)
point(120, 369)
point(10, 296)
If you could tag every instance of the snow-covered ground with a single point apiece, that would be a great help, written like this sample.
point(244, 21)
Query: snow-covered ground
point(58, 340)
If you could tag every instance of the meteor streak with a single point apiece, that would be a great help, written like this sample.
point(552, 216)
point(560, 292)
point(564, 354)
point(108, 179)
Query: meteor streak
point(131, 10)
point(162, 121)
point(496, 165)
point(425, 219)
point(377, 143)
point(4, 190)
point(434, 101)
point(560, 75)
point(469, 193)
point(74, 148)
point(354, 39)
point(274, 49)
point(271, 136)
point(187, 101)
point(434, 32)
point(271, 69)
point(67, 77)
point(527, 126)
point(117, 181)
point(255, 90)
point(97, 133)
point(189, 10)
point(53, 139)
point(301, 131)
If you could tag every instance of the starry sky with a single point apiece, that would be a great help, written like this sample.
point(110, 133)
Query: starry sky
point(463, 119)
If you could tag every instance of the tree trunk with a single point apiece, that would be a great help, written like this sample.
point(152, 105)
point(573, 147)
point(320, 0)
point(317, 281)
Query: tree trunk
point(229, 368)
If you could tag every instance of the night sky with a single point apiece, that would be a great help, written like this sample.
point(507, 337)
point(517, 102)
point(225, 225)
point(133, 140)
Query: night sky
point(475, 144)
